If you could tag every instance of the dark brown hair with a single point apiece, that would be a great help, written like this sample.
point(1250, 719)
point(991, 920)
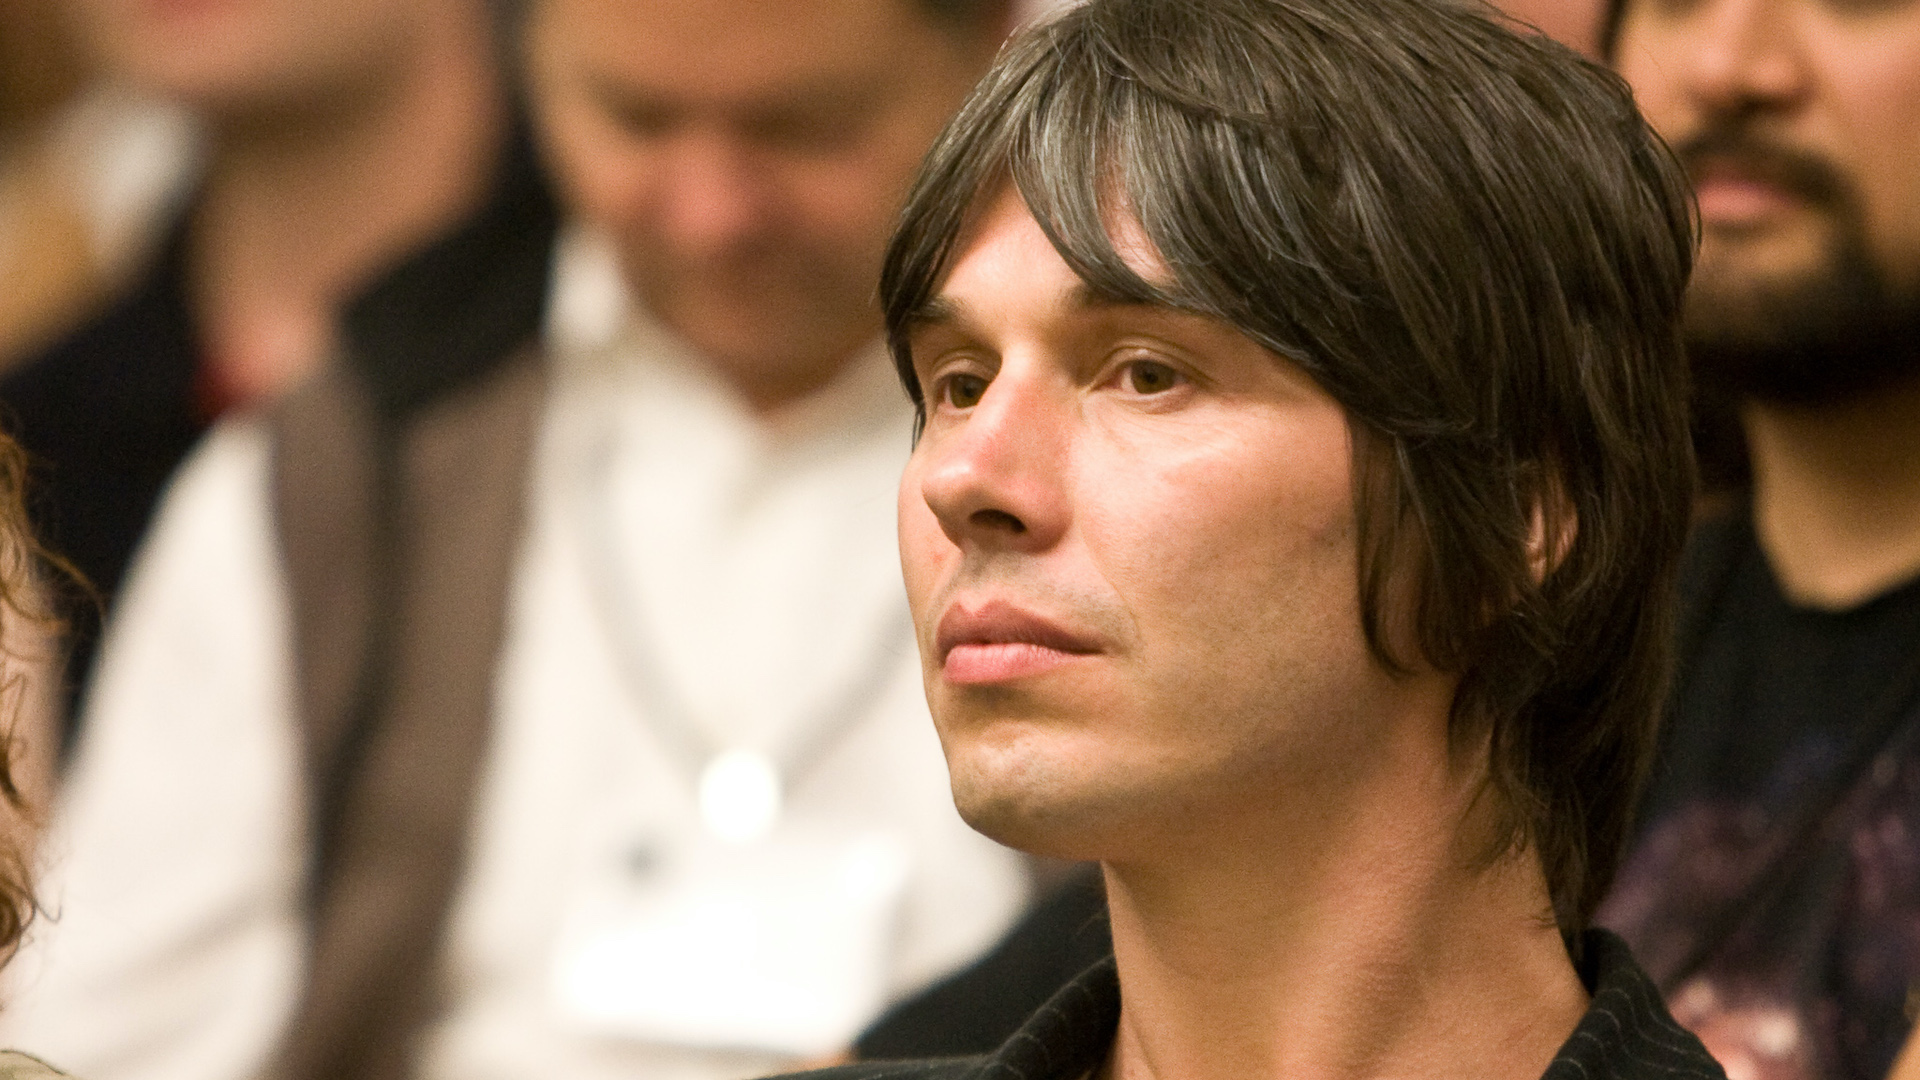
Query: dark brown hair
point(1473, 242)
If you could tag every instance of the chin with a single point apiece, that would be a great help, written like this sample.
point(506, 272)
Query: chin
point(1019, 801)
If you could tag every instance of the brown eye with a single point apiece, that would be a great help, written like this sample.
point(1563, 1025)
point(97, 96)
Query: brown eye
point(1148, 377)
point(963, 391)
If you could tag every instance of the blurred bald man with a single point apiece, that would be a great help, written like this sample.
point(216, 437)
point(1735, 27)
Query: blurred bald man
point(554, 710)
point(341, 139)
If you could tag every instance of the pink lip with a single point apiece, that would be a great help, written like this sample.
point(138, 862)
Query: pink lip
point(1732, 197)
point(185, 9)
point(998, 642)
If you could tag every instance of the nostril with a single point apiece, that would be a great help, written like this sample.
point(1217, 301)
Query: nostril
point(999, 519)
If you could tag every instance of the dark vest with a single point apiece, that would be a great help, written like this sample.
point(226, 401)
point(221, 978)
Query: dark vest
point(399, 478)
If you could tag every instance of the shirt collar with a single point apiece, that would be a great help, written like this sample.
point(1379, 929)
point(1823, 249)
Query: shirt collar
point(1626, 1033)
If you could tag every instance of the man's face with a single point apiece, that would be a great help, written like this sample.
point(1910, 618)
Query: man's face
point(1800, 123)
point(1128, 539)
point(748, 156)
point(242, 60)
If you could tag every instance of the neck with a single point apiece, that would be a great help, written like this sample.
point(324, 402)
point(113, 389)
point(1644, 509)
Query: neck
point(1365, 943)
point(300, 209)
point(1836, 494)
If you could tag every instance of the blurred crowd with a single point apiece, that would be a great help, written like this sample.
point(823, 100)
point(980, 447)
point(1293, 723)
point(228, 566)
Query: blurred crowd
point(470, 640)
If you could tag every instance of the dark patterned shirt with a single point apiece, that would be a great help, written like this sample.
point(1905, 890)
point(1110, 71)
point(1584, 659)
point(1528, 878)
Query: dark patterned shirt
point(1774, 893)
point(1626, 1033)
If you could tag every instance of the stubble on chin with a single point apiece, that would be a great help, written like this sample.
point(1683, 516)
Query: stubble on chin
point(1012, 791)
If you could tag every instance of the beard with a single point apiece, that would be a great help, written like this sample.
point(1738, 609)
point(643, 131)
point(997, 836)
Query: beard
point(1845, 327)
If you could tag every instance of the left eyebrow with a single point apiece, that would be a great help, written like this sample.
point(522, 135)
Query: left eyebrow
point(934, 311)
point(943, 310)
point(1085, 297)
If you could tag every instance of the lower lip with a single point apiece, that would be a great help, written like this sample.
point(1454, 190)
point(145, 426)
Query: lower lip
point(969, 665)
point(1740, 202)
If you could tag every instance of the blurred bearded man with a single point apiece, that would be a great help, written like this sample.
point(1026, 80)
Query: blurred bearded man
point(1775, 889)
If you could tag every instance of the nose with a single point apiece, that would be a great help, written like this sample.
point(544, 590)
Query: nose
point(713, 198)
point(998, 479)
point(1745, 57)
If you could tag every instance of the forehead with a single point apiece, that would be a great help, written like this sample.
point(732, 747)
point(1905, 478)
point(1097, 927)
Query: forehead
point(725, 51)
point(1009, 287)
point(1004, 251)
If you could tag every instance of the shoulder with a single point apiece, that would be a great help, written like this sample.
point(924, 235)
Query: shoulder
point(1722, 538)
point(17, 1066)
point(1627, 1033)
point(140, 336)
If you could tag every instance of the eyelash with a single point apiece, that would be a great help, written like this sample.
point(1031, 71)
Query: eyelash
point(945, 388)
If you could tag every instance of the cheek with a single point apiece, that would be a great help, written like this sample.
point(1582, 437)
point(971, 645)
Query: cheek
point(346, 33)
point(840, 208)
point(1648, 59)
point(925, 550)
point(605, 177)
point(845, 203)
point(1236, 562)
point(1882, 79)
point(1233, 506)
point(1575, 23)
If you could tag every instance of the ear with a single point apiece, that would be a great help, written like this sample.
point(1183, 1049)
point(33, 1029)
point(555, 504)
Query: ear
point(1551, 527)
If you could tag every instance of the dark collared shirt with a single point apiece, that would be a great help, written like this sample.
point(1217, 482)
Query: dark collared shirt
point(1625, 1035)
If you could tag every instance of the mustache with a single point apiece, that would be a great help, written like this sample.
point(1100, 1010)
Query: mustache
point(1088, 610)
point(1732, 143)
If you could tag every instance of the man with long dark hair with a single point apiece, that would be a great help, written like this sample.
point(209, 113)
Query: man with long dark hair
point(1302, 478)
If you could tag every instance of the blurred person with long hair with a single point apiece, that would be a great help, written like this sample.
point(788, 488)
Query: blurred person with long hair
point(23, 673)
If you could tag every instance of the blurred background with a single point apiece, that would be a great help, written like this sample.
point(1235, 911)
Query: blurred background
point(361, 349)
